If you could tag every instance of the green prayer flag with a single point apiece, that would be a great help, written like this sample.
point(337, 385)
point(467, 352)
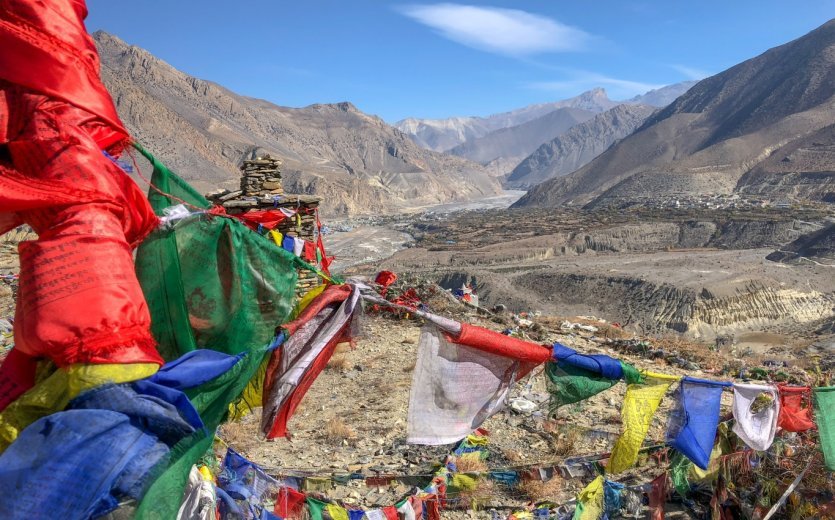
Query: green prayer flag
point(569, 384)
point(211, 282)
point(679, 469)
point(316, 508)
point(824, 398)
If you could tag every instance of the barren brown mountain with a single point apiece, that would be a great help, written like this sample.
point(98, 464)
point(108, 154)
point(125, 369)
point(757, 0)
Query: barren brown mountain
point(729, 133)
point(203, 131)
point(579, 145)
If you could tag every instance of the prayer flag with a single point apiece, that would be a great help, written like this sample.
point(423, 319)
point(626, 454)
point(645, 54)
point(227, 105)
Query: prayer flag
point(639, 407)
point(456, 387)
point(692, 425)
point(755, 427)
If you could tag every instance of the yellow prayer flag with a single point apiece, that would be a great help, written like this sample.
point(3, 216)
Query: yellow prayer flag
point(53, 393)
point(308, 297)
point(337, 512)
point(639, 406)
point(590, 501)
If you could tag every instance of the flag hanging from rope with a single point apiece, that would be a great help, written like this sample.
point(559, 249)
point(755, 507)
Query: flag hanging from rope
point(461, 381)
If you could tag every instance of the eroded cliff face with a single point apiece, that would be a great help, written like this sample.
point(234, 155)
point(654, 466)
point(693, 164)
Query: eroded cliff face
point(758, 306)
point(649, 306)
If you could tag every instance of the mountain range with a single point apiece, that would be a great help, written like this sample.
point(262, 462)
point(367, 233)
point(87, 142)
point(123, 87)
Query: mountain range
point(355, 161)
point(444, 134)
point(762, 128)
point(511, 141)
point(505, 148)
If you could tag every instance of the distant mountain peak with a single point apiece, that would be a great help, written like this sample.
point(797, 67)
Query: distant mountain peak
point(342, 106)
point(444, 134)
point(663, 96)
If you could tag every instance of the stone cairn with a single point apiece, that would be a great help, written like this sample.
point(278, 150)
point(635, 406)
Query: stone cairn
point(261, 189)
point(261, 176)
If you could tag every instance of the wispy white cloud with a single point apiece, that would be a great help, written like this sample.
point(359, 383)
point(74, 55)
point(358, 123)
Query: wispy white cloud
point(691, 72)
point(579, 80)
point(503, 31)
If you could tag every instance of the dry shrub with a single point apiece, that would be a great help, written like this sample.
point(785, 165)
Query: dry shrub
point(470, 465)
point(337, 431)
point(339, 363)
point(478, 497)
point(513, 455)
point(235, 433)
point(538, 490)
point(612, 332)
point(342, 348)
point(685, 347)
point(565, 439)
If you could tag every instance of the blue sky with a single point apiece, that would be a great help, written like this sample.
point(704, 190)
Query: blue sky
point(401, 59)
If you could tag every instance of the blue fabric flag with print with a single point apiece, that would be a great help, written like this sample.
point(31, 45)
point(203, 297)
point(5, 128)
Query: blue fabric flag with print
point(692, 425)
point(80, 462)
point(606, 366)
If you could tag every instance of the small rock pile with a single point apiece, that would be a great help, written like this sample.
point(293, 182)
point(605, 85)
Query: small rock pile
point(261, 190)
point(261, 176)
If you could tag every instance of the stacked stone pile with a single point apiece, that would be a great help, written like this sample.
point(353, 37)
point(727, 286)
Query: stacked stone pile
point(261, 190)
point(261, 176)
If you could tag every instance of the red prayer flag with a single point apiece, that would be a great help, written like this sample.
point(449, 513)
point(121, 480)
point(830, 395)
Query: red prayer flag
point(795, 408)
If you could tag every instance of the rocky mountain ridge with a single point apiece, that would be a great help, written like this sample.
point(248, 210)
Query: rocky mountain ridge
point(514, 143)
point(661, 97)
point(447, 134)
point(355, 161)
point(579, 145)
point(444, 134)
point(763, 126)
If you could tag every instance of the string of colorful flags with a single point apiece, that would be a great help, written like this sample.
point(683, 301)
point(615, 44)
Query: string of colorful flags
point(758, 410)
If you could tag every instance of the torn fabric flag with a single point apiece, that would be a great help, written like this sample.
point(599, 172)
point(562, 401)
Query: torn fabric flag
point(755, 428)
point(612, 501)
point(639, 407)
point(657, 496)
point(590, 501)
point(289, 503)
point(456, 387)
point(293, 367)
point(692, 425)
point(199, 499)
point(247, 484)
